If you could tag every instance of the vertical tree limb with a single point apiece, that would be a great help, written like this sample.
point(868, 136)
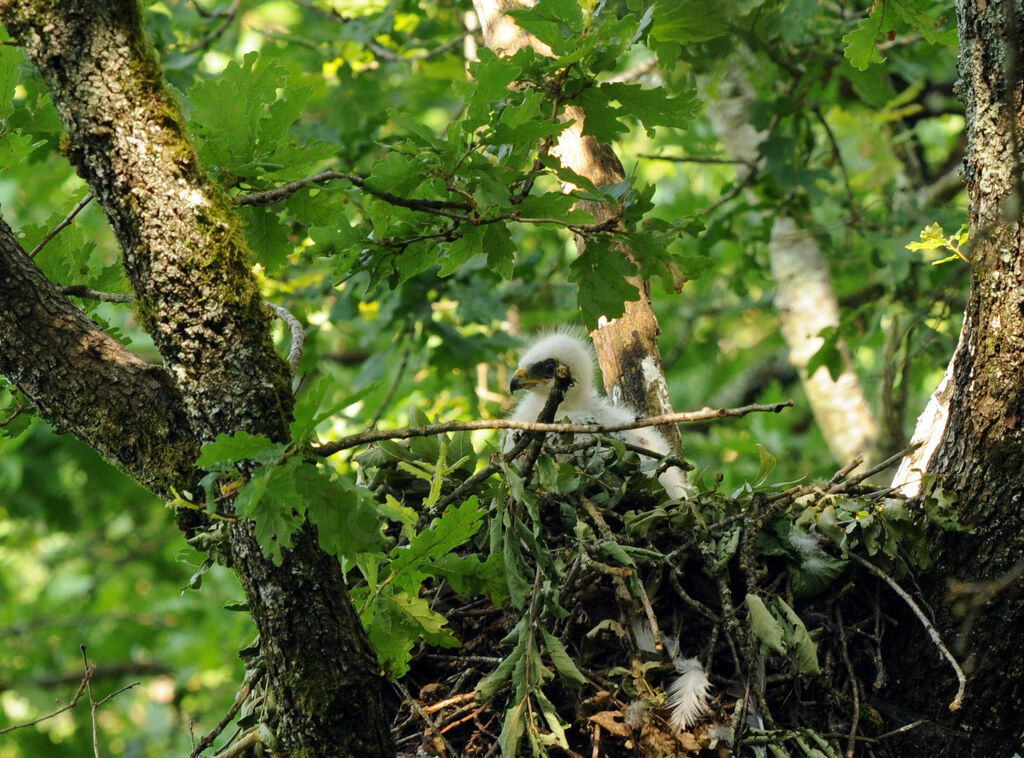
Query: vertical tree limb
point(190, 267)
point(979, 454)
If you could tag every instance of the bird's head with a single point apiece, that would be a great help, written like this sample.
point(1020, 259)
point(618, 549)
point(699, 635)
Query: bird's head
point(540, 360)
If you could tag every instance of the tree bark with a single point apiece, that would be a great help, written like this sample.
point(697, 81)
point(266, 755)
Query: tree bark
point(190, 267)
point(85, 382)
point(981, 453)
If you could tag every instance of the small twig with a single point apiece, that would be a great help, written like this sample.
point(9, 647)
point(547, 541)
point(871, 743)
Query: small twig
point(697, 159)
point(17, 412)
point(929, 627)
point(481, 475)
point(57, 229)
point(243, 693)
point(214, 34)
point(838, 156)
point(414, 704)
point(118, 691)
point(391, 390)
point(298, 333)
point(457, 700)
point(890, 461)
point(852, 741)
point(737, 189)
point(79, 290)
point(92, 706)
point(846, 470)
point(250, 738)
point(901, 730)
point(685, 417)
point(73, 702)
point(385, 54)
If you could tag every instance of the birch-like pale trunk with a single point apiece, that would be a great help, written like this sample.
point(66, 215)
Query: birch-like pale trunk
point(804, 295)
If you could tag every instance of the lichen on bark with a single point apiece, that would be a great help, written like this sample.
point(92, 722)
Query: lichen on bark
point(981, 453)
point(190, 267)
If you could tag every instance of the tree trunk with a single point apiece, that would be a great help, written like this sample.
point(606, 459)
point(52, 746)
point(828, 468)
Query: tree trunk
point(804, 295)
point(981, 453)
point(190, 267)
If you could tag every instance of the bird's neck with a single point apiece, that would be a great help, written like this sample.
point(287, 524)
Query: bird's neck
point(577, 395)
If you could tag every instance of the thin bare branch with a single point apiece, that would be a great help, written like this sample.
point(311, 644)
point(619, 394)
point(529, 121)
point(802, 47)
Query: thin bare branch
point(298, 333)
point(929, 627)
point(686, 417)
point(392, 57)
point(697, 159)
point(243, 693)
point(92, 706)
point(402, 364)
point(80, 290)
point(268, 197)
point(73, 702)
point(57, 229)
point(215, 33)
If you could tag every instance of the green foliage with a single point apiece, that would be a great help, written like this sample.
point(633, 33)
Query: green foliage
point(454, 228)
point(889, 16)
point(243, 119)
point(933, 237)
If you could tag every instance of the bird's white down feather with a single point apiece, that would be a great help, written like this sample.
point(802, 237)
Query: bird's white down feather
point(583, 404)
point(688, 693)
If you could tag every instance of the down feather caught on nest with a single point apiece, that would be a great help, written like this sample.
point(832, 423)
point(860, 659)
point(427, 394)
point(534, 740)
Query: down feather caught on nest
point(582, 403)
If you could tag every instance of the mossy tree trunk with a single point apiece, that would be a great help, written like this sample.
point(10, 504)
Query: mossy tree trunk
point(190, 267)
point(980, 456)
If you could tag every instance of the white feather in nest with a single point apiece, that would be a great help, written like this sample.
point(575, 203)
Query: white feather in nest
point(688, 694)
point(582, 403)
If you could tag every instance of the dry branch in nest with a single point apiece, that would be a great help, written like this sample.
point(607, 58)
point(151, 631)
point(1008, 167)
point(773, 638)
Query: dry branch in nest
point(756, 588)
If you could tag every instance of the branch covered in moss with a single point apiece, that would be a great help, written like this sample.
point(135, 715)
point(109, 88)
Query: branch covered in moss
point(85, 382)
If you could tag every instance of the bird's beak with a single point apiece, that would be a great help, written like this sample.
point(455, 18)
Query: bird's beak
point(521, 381)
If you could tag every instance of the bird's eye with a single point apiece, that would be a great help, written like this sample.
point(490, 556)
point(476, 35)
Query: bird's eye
point(546, 368)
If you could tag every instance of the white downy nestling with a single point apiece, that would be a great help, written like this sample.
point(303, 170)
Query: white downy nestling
point(582, 404)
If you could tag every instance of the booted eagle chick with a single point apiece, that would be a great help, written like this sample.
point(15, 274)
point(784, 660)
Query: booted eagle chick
point(582, 404)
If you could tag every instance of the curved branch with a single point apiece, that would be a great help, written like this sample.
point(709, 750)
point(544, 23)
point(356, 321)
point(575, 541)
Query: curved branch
point(268, 197)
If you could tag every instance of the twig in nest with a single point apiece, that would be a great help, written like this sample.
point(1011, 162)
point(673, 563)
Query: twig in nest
point(853, 683)
point(363, 438)
point(929, 627)
point(607, 534)
point(414, 704)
